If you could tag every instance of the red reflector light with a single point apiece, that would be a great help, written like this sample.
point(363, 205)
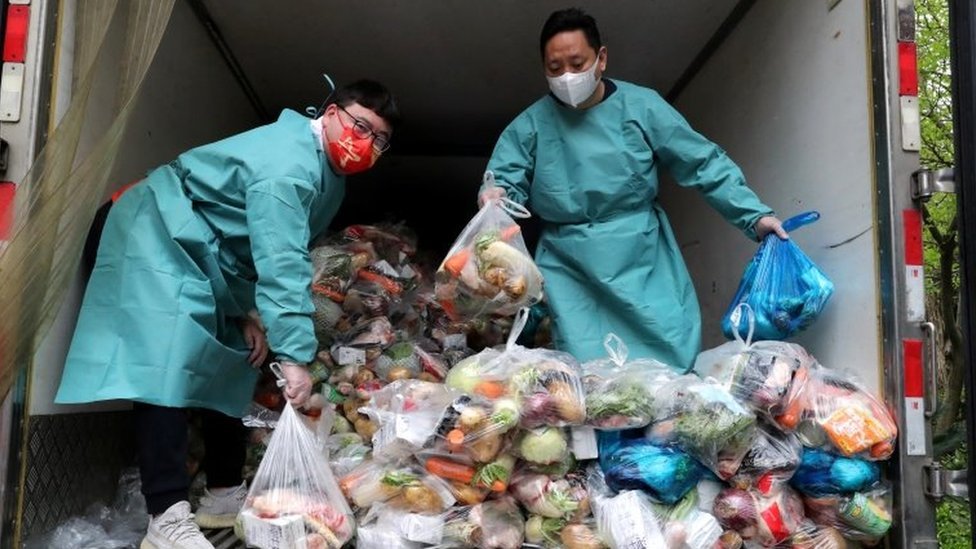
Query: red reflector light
point(7, 190)
point(907, 69)
point(15, 39)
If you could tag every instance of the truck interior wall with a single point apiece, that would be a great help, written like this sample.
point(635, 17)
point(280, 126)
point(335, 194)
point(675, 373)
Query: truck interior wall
point(787, 96)
point(189, 97)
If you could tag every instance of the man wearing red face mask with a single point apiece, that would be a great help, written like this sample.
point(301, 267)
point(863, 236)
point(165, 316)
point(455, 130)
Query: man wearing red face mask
point(201, 268)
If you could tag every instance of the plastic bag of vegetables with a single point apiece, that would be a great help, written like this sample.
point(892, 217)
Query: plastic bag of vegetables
point(407, 414)
point(475, 427)
point(822, 474)
point(828, 410)
point(489, 270)
point(619, 394)
point(630, 462)
point(402, 487)
point(545, 385)
point(770, 462)
point(685, 526)
point(703, 419)
point(782, 285)
point(495, 524)
point(623, 520)
point(815, 536)
point(862, 516)
point(294, 499)
point(563, 496)
point(346, 451)
point(765, 520)
point(760, 374)
point(558, 533)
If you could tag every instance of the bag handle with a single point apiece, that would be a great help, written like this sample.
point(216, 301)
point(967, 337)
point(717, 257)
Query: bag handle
point(616, 349)
point(800, 220)
point(518, 324)
point(511, 207)
point(734, 322)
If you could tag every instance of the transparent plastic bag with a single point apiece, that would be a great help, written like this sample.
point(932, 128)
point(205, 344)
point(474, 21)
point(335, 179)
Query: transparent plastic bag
point(489, 270)
point(828, 410)
point(294, 501)
point(494, 524)
point(545, 385)
point(770, 462)
point(783, 286)
point(407, 414)
point(620, 394)
point(404, 487)
point(493, 476)
point(558, 533)
point(624, 520)
point(563, 496)
point(703, 419)
point(822, 474)
point(765, 520)
point(685, 526)
point(760, 374)
point(399, 528)
point(861, 516)
point(346, 451)
point(630, 462)
point(814, 536)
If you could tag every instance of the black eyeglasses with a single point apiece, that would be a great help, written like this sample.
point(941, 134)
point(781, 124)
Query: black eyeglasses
point(362, 130)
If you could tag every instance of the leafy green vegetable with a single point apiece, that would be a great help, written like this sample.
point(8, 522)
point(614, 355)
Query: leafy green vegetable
point(399, 479)
point(623, 398)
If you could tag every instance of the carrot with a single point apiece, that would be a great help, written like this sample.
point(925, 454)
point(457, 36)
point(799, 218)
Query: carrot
point(498, 486)
point(455, 437)
point(489, 389)
point(791, 416)
point(450, 470)
point(386, 282)
point(455, 263)
point(328, 292)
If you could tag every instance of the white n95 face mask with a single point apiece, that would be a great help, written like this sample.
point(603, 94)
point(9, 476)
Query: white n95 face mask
point(573, 88)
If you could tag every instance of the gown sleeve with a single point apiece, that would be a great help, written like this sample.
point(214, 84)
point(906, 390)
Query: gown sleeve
point(513, 160)
point(278, 221)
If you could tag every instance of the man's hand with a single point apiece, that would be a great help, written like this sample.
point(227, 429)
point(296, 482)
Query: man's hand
point(298, 383)
point(256, 341)
point(770, 224)
point(490, 193)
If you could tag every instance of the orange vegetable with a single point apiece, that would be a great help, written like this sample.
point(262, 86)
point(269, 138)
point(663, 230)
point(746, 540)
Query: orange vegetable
point(455, 437)
point(455, 264)
point(509, 232)
point(498, 486)
point(450, 470)
point(791, 415)
point(385, 282)
point(489, 389)
point(328, 292)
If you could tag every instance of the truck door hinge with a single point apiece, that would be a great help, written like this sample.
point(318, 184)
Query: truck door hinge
point(944, 483)
point(926, 183)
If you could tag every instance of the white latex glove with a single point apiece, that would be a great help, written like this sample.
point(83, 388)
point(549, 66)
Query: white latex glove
point(490, 193)
point(770, 224)
point(297, 386)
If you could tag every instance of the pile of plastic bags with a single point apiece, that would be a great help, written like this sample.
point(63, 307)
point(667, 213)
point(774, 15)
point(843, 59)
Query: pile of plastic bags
point(438, 430)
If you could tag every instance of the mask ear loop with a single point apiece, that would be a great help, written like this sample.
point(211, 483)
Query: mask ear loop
point(317, 112)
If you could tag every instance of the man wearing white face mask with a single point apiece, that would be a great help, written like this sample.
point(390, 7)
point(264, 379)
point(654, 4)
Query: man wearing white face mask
point(585, 160)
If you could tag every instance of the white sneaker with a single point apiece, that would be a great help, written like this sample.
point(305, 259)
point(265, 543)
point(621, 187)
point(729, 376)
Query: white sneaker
point(220, 511)
point(175, 529)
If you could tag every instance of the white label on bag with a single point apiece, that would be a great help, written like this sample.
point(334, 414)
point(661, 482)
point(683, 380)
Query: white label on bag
point(429, 530)
point(584, 444)
point(350, 356)
point(385, 268)
point(286, 532)
point(407, 272)
point(632, 525)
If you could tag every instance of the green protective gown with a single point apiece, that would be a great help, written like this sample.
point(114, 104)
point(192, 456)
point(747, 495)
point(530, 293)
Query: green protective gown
point(222, 230)
point(610, 259)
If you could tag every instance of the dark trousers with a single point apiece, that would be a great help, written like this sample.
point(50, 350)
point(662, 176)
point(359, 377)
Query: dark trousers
point(162, 435)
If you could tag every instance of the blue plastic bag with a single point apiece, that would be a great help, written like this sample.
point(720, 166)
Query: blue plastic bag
point(822, 474)
point(784, 288)
point(630, 462)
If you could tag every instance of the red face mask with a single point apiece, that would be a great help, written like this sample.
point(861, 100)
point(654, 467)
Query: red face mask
point(351, 154)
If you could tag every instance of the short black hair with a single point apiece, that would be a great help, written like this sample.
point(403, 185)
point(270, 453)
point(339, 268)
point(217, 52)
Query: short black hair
point(372, 95)
point(571, 19)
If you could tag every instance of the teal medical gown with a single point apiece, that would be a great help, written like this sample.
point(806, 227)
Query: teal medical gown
point(222, 230)
point(610, 259)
